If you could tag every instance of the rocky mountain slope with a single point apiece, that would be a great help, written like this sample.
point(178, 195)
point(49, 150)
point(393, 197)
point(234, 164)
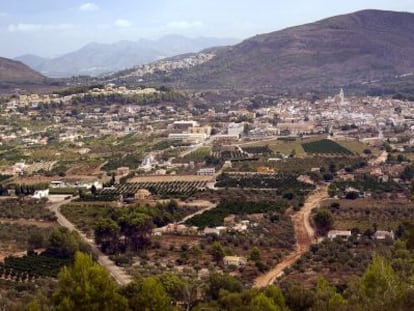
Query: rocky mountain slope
point(343, 51)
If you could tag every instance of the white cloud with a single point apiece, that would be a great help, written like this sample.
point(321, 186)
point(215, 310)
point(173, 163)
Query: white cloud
point(2, 14)
point(185, 24)
point(88, 7)
point(123, 23)
point(38, 27)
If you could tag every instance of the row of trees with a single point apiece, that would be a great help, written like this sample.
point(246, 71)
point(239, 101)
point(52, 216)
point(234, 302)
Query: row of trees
point(24, 190)
point(3, 190)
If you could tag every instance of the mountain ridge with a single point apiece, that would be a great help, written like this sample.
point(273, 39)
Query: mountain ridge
point(101, 58)
point(349, 49)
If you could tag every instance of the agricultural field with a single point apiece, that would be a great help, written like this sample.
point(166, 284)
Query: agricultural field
point(325, 146)
point(227, 155)
point(272, 232)
point(39, 166)
point(168, 178)
point(85, 215)
point(198, 155)
point(368, 214)
point(28, 267)
point(173, 152)
point(131, 160)
point(14, 237)
point(53, 153)
point(86, 168)
point(302, 165)
point(280, 182)
point(368, 183)
point(25, 209)
point(357, 147)
point(234, 194)
point(33, 180)
point(17, 295)
point(335, 260)
point(215, 217)
point(12, 155)
point(162, 188)
point(258, 150)
point(110, 146)
point(166, 144)
point(280, 146)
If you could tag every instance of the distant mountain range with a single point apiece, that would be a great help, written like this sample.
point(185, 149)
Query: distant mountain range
point(359, 51)
point(352, 50)
point(97, 58)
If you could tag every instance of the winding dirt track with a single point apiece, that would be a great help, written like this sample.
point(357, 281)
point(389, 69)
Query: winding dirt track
point(305, 237)
point(120, 276)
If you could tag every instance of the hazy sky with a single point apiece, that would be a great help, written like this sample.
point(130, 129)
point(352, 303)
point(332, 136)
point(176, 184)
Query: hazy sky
point(53, 27)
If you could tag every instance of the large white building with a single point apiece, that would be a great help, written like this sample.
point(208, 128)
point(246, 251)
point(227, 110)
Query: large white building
point(40, 194)
point(188, 137)
point(184, 125)
point(235, 129)
point(208, 171)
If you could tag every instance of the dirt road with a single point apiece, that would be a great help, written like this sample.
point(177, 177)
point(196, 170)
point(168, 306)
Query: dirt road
point(305, 237)
point(116, 272)
point(208, 206)
point(382, 158)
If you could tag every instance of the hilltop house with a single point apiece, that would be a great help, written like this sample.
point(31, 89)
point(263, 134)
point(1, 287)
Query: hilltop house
point(234, 261)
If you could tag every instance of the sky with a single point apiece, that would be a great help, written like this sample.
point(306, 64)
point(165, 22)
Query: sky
point(53, 27)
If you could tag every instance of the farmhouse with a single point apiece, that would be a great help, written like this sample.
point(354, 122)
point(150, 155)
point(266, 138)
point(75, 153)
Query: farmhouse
point(214, 231)
point(265, 170)
point(40, 194)
point(344, 234)
point(234, 261)
point(351, 189)
point(346, 177)
point(142, 194)
point(383, 235)
point(123, 171)
point(242, 226)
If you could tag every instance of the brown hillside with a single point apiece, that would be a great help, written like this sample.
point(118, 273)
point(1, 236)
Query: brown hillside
point(17, 73)
point(336, 52)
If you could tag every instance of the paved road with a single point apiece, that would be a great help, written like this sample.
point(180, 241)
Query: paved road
point(116, 272)
point(305, 237)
